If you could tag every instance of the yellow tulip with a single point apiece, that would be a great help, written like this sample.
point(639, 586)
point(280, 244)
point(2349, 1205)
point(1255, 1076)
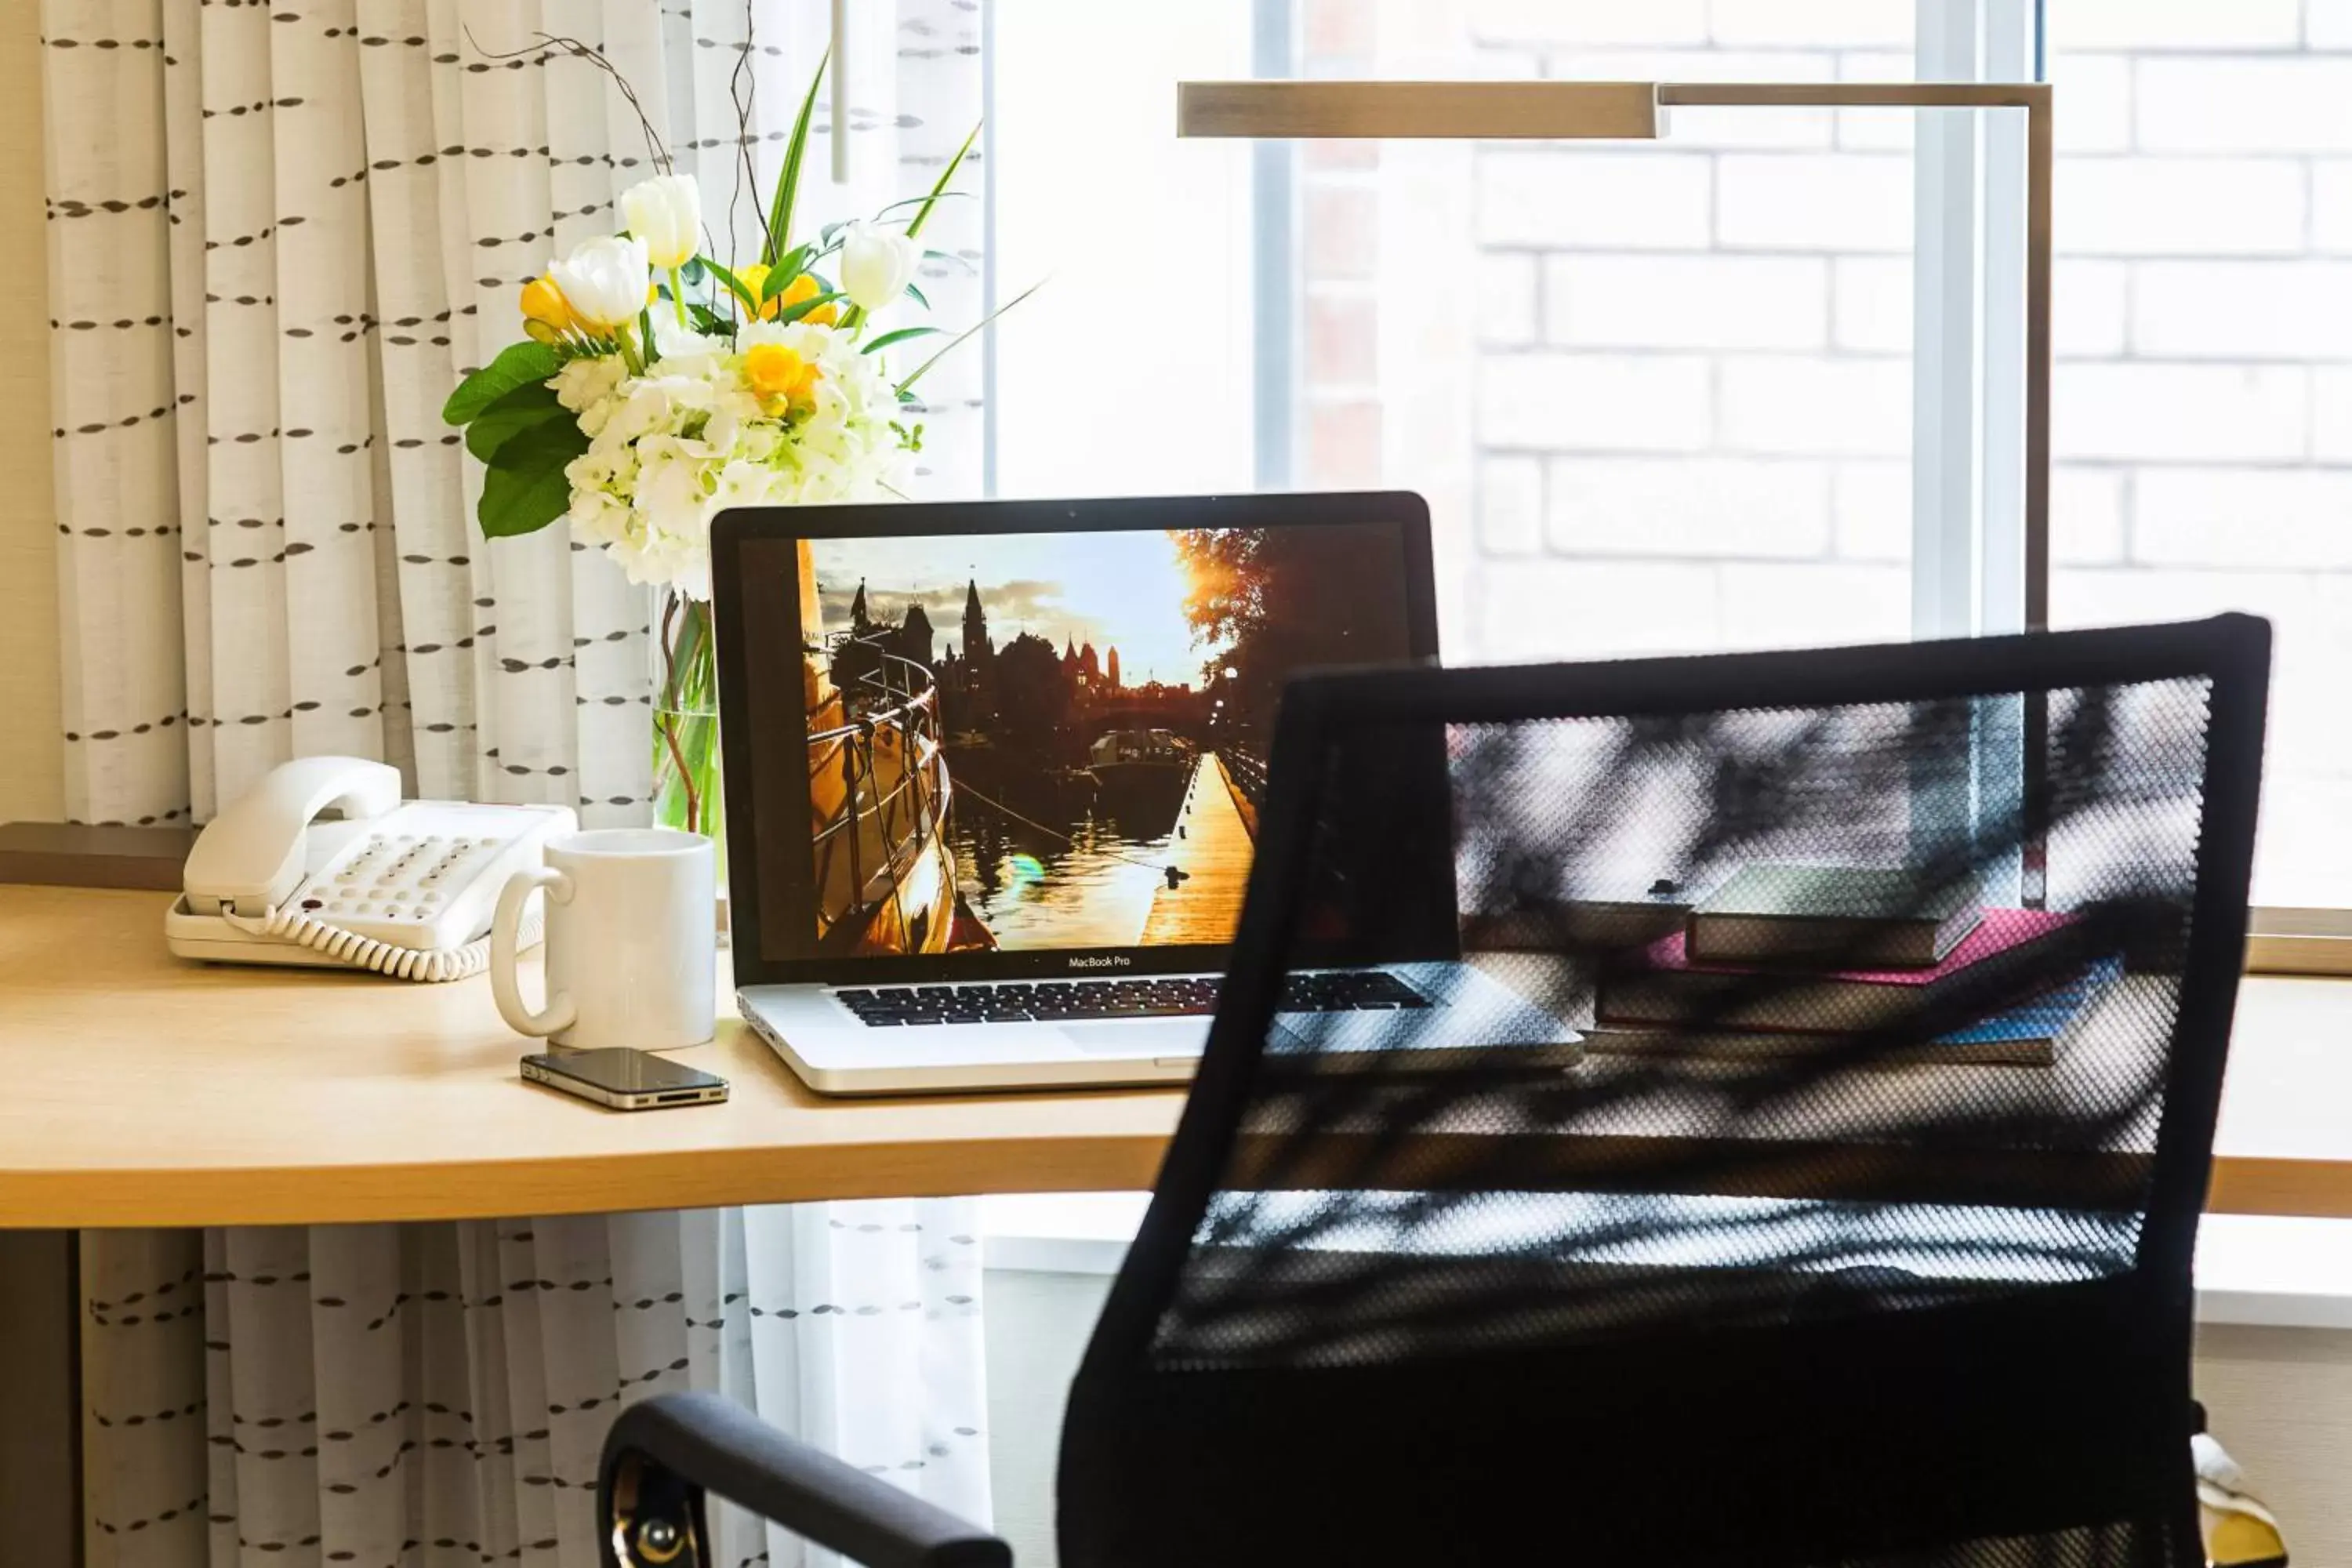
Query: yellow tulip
point(777, 374)
point(807, 286)
point(755, 278)
point(544, 301)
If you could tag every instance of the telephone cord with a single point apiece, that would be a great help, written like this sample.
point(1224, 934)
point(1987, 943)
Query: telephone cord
point(350, 947)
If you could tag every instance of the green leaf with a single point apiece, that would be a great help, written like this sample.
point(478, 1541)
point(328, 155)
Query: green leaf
point(795, 311)
point(959, 338)
point(528, 404)
point(777, 280)
point(517, 365)
point(950, 259)
point(525, 488)
point(780, 212)
point(923, 212)
point(708, 321)
point(917, 296)
point(692, 271)
point(741, 289)
point(795, 261)
point(900, 336)
point(926, 200)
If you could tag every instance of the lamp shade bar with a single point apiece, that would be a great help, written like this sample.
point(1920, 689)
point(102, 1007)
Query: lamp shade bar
point(1563, 111)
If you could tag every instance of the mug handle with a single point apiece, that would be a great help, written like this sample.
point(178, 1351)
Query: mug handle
point(505, 925)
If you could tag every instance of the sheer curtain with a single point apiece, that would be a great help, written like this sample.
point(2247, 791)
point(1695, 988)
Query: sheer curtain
point(278, 235)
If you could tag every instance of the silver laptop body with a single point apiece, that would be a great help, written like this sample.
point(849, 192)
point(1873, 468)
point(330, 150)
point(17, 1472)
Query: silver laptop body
point(966, 855)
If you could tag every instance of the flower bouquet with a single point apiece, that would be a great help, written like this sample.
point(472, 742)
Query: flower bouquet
point(656, 386)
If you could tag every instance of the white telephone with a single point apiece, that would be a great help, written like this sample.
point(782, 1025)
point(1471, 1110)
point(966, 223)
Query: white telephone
point(401, 887)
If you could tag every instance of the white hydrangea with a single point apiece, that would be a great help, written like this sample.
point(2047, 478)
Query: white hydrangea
point(584, 385)
point(670, 449)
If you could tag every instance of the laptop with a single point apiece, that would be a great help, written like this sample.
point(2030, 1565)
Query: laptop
point(994, 779)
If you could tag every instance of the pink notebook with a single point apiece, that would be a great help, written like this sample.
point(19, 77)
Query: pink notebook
point(1663, 986)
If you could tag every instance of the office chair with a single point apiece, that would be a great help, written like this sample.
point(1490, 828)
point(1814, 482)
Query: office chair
point(1788, 1273)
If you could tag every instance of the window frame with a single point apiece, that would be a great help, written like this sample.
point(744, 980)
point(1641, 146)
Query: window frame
point(1976, 567)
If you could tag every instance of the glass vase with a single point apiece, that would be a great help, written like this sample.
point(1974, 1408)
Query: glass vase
point(688, 792)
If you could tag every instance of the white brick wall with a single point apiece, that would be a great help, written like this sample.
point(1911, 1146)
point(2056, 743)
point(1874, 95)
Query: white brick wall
point(2086, 506)
point(2331, 415)
point(1687, 301)
point(1833, 202)
point(1872, 508)
point(1711, 506)
point(1873, 295)
point(2180, 206)
point(2089, 309)
point(2179, 413)
point(1507, 297)
point(1785, 404)
point(2094, 105)
point(2290, 519)
point(2300, 103)
point(1585, 22)
point(1694, 414)
point(1810, 23)
point(2331, 203)
point(2157, 24)
point(1595, 403)
point(1573, 197)
point(2243, 310)
point(1511, 505)
point(1797, 605)
point(1694, 377)
point(2328, 24)
point(1566, 608)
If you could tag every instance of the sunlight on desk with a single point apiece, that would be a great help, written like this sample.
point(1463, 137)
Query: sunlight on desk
point(142, 1091)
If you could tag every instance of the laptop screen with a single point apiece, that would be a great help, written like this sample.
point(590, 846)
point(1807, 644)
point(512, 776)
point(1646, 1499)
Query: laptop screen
point(1036, 740)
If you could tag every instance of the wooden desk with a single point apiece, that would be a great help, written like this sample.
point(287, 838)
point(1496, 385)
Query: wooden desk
point(136, 1089)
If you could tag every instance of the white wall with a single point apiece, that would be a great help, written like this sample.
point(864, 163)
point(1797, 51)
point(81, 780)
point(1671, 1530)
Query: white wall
point(1038, 1325)
point(2279, 1398)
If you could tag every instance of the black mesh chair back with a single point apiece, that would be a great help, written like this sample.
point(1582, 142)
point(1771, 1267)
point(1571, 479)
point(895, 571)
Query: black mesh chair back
point(1862, 1232)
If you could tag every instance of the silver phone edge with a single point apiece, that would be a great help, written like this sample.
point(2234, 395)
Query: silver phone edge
point(611, 1100)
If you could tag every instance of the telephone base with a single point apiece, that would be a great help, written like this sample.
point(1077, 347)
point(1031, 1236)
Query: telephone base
point(212, 940)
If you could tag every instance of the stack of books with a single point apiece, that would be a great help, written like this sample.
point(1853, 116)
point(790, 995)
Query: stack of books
point(1849, 951)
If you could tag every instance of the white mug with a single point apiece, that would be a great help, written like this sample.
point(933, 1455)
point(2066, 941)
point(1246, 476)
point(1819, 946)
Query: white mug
point(632, 939)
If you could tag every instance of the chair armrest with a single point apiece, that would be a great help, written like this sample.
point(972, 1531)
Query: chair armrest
point(663, 1453)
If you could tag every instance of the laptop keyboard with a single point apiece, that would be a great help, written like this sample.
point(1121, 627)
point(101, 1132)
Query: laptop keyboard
point(1052, 1000)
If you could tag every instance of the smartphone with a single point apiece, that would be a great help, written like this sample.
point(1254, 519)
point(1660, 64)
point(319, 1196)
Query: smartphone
point(624, 1080)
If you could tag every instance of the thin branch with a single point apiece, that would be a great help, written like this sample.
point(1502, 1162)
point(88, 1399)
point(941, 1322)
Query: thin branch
point(655, 149)
point(743, 89)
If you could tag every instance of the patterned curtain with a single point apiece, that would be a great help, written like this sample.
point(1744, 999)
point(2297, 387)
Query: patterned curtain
point(278, 235)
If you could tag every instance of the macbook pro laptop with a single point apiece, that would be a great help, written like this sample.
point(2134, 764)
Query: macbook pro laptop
point(993, 774)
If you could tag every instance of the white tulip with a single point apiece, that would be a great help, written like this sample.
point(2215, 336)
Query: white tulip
point(666, 212)
point(604, 281)
point(876, 265)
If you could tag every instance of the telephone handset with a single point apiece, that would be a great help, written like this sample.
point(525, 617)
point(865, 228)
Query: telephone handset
point(405, 888)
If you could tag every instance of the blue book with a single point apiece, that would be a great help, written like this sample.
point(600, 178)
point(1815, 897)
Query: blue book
point(2026, 1034)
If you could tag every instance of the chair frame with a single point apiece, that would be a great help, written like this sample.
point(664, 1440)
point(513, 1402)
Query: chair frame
point(664, 1453)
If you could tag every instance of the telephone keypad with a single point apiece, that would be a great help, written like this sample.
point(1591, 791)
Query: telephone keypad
point(403, 876)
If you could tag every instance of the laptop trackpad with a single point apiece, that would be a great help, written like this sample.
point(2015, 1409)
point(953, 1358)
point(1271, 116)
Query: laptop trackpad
point(1142, 1038)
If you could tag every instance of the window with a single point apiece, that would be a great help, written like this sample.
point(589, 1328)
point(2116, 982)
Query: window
point(1667, 396)
point(1130, 371)
point(2203, 395)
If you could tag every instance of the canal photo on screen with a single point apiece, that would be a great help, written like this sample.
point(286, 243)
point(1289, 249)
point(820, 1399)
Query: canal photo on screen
point(1057, 741)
